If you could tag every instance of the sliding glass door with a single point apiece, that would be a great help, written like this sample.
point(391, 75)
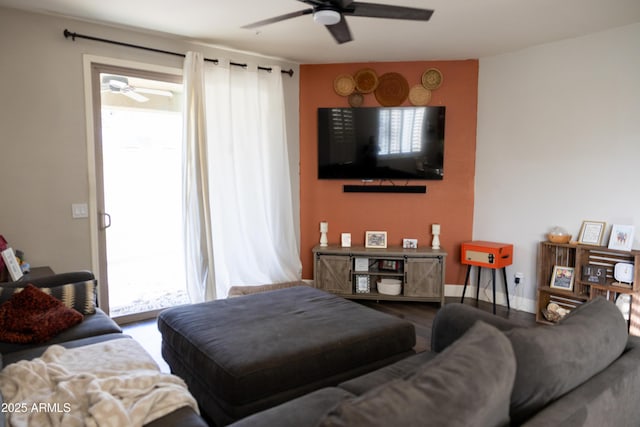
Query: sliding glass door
point(138, 166)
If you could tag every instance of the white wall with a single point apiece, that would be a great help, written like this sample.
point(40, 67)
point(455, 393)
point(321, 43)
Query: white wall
point(43, 149)
point(558, 142)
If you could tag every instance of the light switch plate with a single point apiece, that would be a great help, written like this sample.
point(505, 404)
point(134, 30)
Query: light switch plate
point(80, 210)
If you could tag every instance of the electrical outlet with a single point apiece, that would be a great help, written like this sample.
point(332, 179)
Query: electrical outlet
point(519, 278)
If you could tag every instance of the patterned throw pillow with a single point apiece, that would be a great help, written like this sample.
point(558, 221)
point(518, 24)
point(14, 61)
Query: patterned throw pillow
point(31, 316)
point(80, 296)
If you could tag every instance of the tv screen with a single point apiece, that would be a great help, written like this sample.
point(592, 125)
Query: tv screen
point(381, 143)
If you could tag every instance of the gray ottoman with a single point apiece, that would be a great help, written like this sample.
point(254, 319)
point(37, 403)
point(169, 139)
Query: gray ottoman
point(243, 355)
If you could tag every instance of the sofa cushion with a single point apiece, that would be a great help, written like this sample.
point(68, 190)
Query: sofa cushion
point(553, 360)
point(81, 296)
point(452, 389)
point(31, 316)
point(306, 410)
point(92, 325)
point(398, 370)
point(454, 319)
point(38, 350)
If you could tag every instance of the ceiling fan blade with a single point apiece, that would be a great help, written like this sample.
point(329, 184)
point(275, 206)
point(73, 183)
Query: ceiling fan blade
point(158, 92)
point(135, 96)
point(278, 19)
point(328, 3)
point(344, 3)
point(372, 10)
point(340, 31)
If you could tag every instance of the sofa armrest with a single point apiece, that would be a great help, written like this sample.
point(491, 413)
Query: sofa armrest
point(183, 417)
point(453, 320)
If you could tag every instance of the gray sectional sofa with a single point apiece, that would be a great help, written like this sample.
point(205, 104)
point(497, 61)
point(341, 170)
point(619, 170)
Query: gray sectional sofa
point(485, 371)
point(95, 327)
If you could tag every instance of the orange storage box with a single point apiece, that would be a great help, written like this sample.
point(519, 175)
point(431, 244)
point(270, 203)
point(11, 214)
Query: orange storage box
point(487, 254)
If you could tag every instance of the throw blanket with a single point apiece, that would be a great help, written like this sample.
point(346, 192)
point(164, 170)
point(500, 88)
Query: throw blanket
point(113, 383)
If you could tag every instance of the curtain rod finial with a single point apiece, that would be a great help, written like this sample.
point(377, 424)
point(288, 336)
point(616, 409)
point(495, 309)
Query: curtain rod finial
point(68, 34)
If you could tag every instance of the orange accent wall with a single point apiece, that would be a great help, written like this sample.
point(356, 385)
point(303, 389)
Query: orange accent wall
point(448, 202)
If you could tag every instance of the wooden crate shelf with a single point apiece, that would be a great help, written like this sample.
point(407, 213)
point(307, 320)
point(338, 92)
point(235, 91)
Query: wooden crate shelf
point(578, 256)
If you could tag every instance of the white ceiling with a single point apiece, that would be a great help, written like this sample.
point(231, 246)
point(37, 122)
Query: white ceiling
point(459, 29)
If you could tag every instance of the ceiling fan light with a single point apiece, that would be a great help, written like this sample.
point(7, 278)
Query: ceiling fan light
point(326, 17)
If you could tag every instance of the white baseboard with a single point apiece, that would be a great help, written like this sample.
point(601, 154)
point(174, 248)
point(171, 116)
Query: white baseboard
point(517, 302)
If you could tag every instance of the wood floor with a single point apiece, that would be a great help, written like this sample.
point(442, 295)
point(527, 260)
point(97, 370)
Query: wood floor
point(419, 313)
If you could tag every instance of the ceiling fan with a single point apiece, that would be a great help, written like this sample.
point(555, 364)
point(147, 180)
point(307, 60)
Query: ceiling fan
point(120, 84)
point(332, 13)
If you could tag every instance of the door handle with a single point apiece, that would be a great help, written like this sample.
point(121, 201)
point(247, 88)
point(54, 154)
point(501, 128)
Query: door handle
point(106, 220)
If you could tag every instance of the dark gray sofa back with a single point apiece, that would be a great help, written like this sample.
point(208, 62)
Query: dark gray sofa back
point(609, 398)
point(556, 361)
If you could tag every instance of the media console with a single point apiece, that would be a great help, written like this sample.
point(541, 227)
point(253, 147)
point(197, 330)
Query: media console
point(354, 272)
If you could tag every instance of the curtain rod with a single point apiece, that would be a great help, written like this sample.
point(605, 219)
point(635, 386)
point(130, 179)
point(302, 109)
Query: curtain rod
point(73, 36)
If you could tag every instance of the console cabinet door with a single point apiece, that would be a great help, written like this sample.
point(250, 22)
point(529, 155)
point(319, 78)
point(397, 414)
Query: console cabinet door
point(423, 277)
point(333, 274)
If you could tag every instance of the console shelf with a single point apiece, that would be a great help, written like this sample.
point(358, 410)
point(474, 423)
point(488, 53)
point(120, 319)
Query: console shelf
point(354, 272)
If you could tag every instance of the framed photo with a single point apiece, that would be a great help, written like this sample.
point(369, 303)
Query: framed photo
point(362, 284)
point(375, 239)
point(345, 240)
point(591, 232)
point(562, 278)
point(388, 265)
point(10, 260)
point(410, 243)
point(621, 237)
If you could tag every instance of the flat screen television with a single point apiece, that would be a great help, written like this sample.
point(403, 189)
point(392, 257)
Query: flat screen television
point(370, 143)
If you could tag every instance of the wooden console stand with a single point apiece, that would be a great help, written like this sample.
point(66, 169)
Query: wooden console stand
point(354, 272)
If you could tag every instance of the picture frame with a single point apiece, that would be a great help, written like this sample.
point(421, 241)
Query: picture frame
point(375, 239)
point(410, 243)
point(11, 262)
point(388, 265)
point(362, 284)
point(345, 240)
point(591, 232)
point(562, 278)
point(361, 264)
point(621, 238)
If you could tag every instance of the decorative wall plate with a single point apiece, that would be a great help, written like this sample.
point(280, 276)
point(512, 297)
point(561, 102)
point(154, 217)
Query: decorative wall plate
point(356, 99)
point(344, 85)
point(366, 80)
point(432, 79)
point(418, 95)
point(392, 90)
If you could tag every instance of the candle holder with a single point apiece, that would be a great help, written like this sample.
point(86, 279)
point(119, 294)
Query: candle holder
point(324, 228)
point(435, 230)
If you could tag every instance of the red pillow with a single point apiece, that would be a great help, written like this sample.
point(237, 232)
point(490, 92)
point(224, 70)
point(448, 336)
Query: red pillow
point(31, 316)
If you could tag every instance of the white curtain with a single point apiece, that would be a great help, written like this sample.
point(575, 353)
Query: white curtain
point(250, 200)
point(198, 242)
